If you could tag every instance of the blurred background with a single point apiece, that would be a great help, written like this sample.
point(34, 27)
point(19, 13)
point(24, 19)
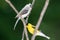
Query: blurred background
point(50, 24)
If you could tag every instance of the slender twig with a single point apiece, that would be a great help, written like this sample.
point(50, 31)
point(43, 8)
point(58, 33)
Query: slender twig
point(12, 6)
point(25, 31)
point(40, 18)
point(28, 17)
point(23, 35)
point(33, 2)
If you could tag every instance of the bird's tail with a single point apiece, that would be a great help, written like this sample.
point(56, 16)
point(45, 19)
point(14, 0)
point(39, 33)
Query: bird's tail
point(16, 23)
point(43, 35)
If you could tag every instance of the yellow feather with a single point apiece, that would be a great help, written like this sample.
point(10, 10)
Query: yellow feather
point(30, 28)
point(39, 33)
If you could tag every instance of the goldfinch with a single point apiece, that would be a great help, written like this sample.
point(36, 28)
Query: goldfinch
point(24, 13)
point(38, 33)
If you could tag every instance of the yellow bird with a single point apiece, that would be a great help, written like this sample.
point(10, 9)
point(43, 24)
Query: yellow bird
point(38, 33)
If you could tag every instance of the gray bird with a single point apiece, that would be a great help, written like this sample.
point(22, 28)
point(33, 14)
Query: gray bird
point(23, 13)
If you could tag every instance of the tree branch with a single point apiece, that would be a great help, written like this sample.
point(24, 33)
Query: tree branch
point(12, 6)
point(25, 30)
point(23, 35)
point(40, 18)
point(33, 2)
point(28, 17)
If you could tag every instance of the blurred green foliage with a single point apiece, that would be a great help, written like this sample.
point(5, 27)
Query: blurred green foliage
point(50, 24)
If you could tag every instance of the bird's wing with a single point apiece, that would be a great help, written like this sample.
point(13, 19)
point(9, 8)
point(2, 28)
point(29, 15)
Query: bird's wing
point(31, 25)
point(22, 13)
point(24, 10)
